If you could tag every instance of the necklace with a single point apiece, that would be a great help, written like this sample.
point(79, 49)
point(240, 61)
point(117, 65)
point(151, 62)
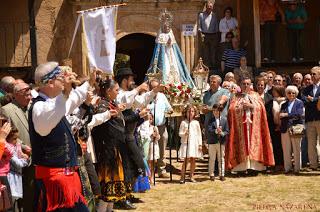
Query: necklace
point(242, 70)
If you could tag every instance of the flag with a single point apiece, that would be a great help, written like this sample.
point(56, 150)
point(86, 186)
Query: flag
point(100, 36)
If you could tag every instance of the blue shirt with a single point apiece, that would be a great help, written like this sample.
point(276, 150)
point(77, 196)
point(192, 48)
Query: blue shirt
point(231, 57)
point(162, 106)
point(290, 105)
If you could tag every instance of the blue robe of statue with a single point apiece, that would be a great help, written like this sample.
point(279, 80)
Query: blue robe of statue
point(167, 57)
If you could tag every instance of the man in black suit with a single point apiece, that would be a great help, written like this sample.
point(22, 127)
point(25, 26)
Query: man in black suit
point(310, 98)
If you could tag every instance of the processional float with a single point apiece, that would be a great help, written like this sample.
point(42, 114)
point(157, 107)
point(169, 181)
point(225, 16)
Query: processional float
point(168, 67)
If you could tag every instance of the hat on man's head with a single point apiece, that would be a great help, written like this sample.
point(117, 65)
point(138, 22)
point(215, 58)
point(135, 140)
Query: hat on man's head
point(125, 72)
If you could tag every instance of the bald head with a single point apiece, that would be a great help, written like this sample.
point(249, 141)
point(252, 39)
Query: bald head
point(7, 83)
point(44, 69)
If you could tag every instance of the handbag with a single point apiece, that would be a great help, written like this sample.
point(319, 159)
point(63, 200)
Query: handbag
point(296, 130)
point(5, 202)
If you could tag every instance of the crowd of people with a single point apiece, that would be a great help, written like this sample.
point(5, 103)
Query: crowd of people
point(87, 144)
point(220, 38)
point(97, 142)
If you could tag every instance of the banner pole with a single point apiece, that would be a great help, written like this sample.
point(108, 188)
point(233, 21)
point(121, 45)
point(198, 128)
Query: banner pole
point(97, 8)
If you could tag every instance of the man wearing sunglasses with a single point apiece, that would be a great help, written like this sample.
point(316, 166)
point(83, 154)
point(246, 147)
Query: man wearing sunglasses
point(54, 148)
point(16, 111)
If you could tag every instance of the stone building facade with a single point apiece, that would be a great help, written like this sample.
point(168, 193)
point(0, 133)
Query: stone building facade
point(137, 26)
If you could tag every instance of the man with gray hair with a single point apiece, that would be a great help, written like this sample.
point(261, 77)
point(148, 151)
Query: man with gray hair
point(17, 113)
point(54, 149)
point(215, 95)
point(297, 79)
point(277, 80)
point(6, 84)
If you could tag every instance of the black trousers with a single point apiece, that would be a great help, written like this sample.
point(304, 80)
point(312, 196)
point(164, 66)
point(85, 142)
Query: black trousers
point(136, 158)
point(28, 188)
point(295, 40)
point(268, 39)
point(92, 174)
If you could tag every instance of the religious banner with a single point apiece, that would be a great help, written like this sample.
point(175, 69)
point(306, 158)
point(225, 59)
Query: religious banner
point(100, 36)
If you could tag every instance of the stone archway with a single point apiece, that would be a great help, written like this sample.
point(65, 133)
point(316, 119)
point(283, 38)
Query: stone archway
point(139, 47)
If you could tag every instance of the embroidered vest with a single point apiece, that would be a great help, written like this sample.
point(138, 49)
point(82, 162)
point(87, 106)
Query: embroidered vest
point(57, 149)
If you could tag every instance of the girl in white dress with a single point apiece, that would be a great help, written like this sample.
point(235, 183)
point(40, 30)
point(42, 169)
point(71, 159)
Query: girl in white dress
point(190, 133)
point(149, 135)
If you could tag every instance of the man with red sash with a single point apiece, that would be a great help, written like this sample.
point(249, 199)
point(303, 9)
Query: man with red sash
point(54, 149)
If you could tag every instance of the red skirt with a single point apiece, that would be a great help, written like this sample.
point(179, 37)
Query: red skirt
point(61, 190)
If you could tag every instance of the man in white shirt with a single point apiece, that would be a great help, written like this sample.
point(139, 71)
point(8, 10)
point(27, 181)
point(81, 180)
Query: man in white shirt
point(209, 32)
point(54, 149)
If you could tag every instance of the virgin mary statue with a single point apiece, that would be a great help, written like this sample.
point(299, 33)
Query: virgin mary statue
point(167, 56)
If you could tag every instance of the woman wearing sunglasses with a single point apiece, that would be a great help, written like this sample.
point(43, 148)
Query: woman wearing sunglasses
point(291, 115)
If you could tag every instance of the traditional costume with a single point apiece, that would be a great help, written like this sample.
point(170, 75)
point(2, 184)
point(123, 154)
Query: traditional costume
point(112, 156)
point(249, 145)
point(54, 150)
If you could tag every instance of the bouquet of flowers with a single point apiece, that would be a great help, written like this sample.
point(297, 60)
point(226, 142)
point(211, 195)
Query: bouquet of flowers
point(178, 93)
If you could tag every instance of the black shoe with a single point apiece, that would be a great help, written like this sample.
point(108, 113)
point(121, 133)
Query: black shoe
point(135, 200)
point(124, 205)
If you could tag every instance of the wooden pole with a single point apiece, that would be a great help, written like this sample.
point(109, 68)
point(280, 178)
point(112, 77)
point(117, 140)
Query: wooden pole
point(239, 17)
point(97, 8)
point(238, 13)
point(83, 50)
point(256, 24)
point(191, 53)
point(183, 46)
point(188, 51)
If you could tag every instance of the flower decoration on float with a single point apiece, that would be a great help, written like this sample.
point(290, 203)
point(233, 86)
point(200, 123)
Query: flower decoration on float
point(178, 93)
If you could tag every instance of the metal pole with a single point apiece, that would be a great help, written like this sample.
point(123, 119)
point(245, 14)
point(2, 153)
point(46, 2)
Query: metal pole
point(219, 136)
point(186, 158)
point(170, 143)
point(154, 140)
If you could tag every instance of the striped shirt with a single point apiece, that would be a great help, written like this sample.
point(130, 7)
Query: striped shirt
point(231, 57)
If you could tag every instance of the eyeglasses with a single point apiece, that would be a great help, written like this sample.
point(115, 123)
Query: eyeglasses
point(291, 93)
point(277, 80)
point(24, 90)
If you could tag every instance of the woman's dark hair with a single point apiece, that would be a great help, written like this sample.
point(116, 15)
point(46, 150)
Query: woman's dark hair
point(228, 8)
point(230, 34)
point(105, 85)
point(287, 77)
point(13, 131)
point(280, 90)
